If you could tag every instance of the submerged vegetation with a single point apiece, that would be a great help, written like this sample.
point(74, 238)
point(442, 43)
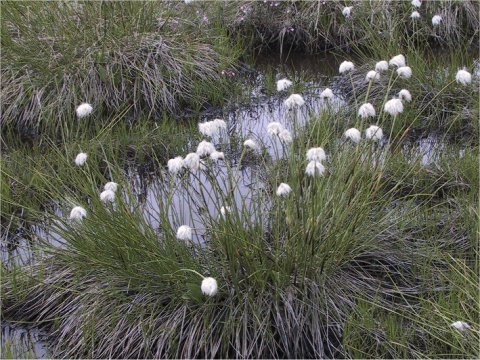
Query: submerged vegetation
point(327, 233)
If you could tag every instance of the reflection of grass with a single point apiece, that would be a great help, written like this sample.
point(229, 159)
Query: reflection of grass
point(140, 57)
point(365, 252)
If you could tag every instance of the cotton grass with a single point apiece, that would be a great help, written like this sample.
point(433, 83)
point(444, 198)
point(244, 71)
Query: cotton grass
point(209, 286)
point(78, 213)
point(366, 110)
point(372, 75)
point(415, 15)
point(398, 61)
point(205, 148)
point(381, 66)
point(294, 101)
point(416, 3)
point(460, 325)
point(393, 107)
point(283, 189)
point(107, 196)
point(283, 84)
point(436, 20)
point(316, 154)
point(83, 110)
point(175, 165)
point(274, 128)
point(81, 159)
point(192, 162)
point(374, 133)
point(346, 66)
point(405, 72)
point(217, 155)
point(463, 77)
point(212, 128)
point(326, 94)
point(314, 168)
point(113, 186)
point(285, 136)
point(251, 144)
point(404, 94)
point(184, 232)
point(353, 134)
point(347, 11)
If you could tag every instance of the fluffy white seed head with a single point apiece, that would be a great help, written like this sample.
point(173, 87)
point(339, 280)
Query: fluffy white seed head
point(294, 101)
point(393, 107)
point(460, 325)
point(326, 94)
point(175, 165)
point(224, 210)
point(217, 155)
point(251, 144)
point(366, 110)
point(107, 196)
point(316, 154)
point(192, 162)
point(212, 128)
point(463, 77)
point(346, 66)
point(315, 168)
point(404, 72)
point(353, 135)
point(283, 84)
point(283, 189)
point(372, 75)
point(436, 20)
point(285, 136)
point(113, 186)
point(205, 148)
point(347, 11)
point(274, 128)
point(381, 66)
point(415, 15)
point(78, 213)
point(374, 133)
point(404, 94)
point(209, 286)
point(184, 232)
point(84, 109)
point(398, 61)
point(416, 3)
point(81, 159)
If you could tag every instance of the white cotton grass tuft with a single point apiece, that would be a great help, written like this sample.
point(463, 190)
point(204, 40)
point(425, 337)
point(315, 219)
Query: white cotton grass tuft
point(224, 210)
point(366, 110)
point(283, 84)
point(81, 159)
point(346, 66)
point(283, 189)
point(381, 66)
point(184, 232)
point(416, 3)
point(404, 72)
point(436, 20)
point(372, 75)
point(209, 286)
point(326, 94)
point(205, 148)
point(285, 136)
point(314, 168)
point(274, 128)
point(192, 162)
point(217, 155)
point(374, 133)
point(393, 107)
point(404, 94)
point(212, 128)
point(347, 11)
point(111, 186)
point(415, 15)
point(175, 165)
point(316, 154)
point(107, 196)
point(78, 213)
point(251, 144)
point(398, 61)
point(353, 134)
point(460, 325)
point(84, 109)
point(294, 101)
point(463, 77)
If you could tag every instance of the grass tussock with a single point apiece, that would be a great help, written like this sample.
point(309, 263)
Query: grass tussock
point(320, 25)
point(136, 57)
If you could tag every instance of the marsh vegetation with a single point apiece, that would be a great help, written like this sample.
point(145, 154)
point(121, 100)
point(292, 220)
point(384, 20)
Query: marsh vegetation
point(231, 200)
